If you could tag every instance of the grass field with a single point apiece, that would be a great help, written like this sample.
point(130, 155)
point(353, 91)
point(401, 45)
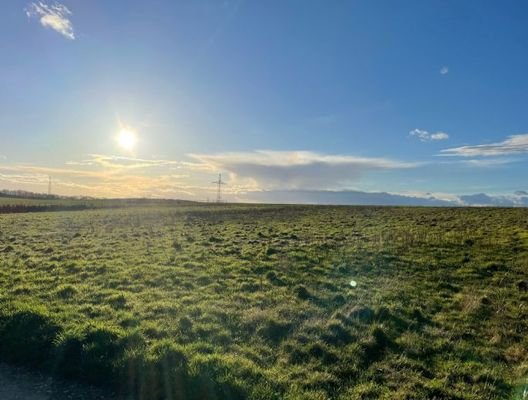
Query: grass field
point(240, 301)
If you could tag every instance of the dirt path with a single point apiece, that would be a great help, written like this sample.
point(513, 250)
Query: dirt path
point(20, 384)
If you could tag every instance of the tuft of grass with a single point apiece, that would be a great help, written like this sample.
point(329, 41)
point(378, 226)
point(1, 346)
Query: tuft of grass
point(27, 332)
point(302, 292)
point(66, 291)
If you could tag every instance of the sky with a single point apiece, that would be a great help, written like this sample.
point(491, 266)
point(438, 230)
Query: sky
point(382, 102)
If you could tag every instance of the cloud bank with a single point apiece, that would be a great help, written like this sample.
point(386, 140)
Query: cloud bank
point(515, 144)
point(259, 176)
point(295, 169)
point(518, 199)
point(55, 16)
point(352, 197)
point(344, 197)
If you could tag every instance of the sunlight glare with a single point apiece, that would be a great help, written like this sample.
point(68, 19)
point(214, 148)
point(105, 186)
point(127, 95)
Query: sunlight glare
point(127, 139)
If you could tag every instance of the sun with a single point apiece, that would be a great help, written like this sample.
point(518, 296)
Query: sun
point(127, 139)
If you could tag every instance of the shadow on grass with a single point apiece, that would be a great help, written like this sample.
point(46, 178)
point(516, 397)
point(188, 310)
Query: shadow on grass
point(115, 359)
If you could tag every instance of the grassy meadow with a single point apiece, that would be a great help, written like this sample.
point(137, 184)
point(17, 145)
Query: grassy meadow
point(255, 302)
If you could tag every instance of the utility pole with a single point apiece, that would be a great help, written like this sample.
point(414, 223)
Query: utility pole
point(219, 183)
point(49, 185)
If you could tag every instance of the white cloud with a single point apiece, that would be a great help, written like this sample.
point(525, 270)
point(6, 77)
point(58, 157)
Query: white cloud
point(515, 144)
point(439, 136)
point(482, 199)
point(273, 176)
point(444, 70)
point(295, 169)
point(108, 176)
point(488, 162)
point(356, 197)
point(342, 197)
point(426, 136)
point(119, 162)
point(23, 178)
point(440, 196)
point(55, 16)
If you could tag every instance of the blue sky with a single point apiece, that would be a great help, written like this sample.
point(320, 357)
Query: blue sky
point(421, 98)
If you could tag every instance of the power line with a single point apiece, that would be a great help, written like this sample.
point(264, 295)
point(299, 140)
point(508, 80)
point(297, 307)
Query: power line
point(219, 184)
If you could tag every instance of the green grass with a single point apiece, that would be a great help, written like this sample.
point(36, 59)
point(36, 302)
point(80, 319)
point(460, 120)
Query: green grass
point(235, 302)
